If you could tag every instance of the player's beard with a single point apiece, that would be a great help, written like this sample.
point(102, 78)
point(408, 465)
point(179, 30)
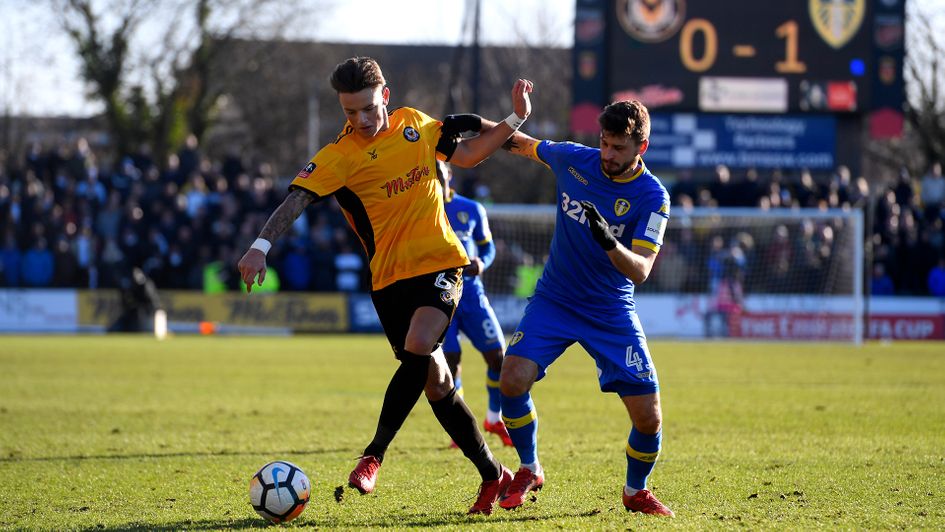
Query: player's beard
point(616, 171)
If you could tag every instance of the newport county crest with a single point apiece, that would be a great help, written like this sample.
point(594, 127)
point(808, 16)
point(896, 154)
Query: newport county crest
point(651, 20)
point(621, 206)
point(836, 21)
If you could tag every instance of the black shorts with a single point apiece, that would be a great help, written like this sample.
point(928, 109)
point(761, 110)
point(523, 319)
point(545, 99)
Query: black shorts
point(396, 303)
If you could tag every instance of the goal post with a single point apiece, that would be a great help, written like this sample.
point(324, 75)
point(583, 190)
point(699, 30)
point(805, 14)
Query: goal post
point(791, 274)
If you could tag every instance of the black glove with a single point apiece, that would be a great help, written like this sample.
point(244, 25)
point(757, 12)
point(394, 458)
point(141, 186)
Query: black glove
point(600, 229)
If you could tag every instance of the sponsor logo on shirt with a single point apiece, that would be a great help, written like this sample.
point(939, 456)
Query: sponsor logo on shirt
point(307, 171)
point(576, 175)
point(403, 184)
point(655, 227)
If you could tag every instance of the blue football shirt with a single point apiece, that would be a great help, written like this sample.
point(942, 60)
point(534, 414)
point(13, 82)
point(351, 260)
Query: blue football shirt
point(468, 219)
point(579, 272)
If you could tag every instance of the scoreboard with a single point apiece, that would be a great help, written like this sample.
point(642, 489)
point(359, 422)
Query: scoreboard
point(839, 58)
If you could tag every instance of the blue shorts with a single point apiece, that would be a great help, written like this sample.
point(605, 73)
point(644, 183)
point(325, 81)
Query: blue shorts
point(616, 343)
point(476, 319)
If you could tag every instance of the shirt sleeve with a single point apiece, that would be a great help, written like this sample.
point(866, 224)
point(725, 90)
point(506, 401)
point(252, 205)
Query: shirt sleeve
point(553, 154)
point(323, 175)
point(483, 238)
point(651, 226)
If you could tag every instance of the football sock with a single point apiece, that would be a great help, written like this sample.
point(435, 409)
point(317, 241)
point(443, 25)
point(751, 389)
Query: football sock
point(534, 467)
point(521, 420)
point(460, 424)
point(402, 394)
point(495, 396)
point(458, 384)
point(493, 417)
point(642, 451)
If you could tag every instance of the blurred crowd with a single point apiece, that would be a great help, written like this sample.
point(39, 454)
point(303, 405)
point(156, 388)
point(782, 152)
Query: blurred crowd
point(68, 221)
point(905, 222)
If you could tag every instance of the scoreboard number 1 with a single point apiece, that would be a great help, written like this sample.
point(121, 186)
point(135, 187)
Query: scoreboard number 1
point(787, 31)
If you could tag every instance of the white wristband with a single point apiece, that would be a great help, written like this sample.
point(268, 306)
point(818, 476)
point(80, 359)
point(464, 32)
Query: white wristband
point(262, 245)
point(514, 121)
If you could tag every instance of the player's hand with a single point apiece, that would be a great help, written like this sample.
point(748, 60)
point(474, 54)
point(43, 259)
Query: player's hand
point(521, 104)
point(474, 268)
point(253, 263)
point(600, 229)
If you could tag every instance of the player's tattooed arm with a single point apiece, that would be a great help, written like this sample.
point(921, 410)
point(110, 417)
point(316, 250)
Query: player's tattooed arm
point(521, 144)
point(518, 144)
point(285, 214)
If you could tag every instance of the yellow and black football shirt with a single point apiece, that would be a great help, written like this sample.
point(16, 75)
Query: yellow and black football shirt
point(390, 195)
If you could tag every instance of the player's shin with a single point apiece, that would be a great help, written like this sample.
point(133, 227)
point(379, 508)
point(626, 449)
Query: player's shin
point(642, 452)
point(521, 420)
point(402, 394)
point(455, 417)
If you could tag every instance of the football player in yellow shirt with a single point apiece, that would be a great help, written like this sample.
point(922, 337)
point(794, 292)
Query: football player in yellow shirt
point(382, 171)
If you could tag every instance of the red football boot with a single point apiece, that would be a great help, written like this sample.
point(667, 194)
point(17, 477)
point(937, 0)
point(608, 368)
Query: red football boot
point(644, 502)
point(525, 481)
point(498, 428)
point(490, 491)
point(364, 475)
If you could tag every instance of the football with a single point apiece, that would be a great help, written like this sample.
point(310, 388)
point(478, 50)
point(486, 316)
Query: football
point(279, 491)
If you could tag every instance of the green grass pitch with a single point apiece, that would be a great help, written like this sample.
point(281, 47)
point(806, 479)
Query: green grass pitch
point(120, 433)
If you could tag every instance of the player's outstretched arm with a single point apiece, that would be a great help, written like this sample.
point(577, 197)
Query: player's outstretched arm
point(471, 152)
point(253, 262)
point(636, 263)
point(521, 144)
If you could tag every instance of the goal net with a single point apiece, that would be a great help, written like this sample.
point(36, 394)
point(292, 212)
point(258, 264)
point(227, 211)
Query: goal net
point(721, 273)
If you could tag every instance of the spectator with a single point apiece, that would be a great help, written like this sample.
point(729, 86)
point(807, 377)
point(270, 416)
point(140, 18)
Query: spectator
point(297, 266)
point(936, 279)
point(881, 284)
point(933, 192)
point(10, 258)
point(65, 265)
point(348, 264)
point(36, 269)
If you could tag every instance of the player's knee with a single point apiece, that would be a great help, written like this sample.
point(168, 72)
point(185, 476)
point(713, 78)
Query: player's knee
point(649, 424)
point(418, 346)
point(513, 384)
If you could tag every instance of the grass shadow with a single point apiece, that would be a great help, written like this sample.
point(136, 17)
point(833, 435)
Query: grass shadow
point(409, 521)
point(205, 454)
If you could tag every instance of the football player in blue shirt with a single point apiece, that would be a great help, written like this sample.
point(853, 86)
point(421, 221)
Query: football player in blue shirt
point(474, 315)
point(609, 226)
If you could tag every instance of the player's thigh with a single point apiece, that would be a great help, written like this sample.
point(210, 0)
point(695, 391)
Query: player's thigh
point(397, 305)
point(476, 318)
point(618, 347)
point(543, 334)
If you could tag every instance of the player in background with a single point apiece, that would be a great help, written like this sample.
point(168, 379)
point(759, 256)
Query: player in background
point(382, 171)
point(474, 315)
point(609, 226)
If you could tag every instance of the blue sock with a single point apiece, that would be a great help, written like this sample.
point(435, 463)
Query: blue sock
point(492, 388)
point(642, 451)
point(458, 384)
point(521, 419)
